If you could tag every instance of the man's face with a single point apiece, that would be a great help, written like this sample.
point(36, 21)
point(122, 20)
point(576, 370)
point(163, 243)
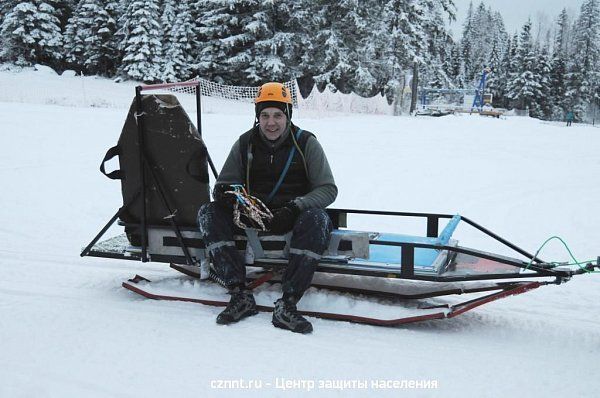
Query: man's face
point(272, 122)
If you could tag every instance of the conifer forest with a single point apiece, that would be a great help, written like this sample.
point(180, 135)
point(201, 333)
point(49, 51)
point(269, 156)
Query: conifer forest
point(363, 46)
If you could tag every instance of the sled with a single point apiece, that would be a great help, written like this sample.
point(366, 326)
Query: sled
point(163, 169)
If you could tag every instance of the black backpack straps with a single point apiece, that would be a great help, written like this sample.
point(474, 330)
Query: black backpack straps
point(111, 153)
point(246, 153)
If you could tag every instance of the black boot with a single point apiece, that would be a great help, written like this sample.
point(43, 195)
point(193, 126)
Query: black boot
point(241, 305)
point(286, 316)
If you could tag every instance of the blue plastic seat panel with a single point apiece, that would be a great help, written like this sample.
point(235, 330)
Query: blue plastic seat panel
point(392, 255)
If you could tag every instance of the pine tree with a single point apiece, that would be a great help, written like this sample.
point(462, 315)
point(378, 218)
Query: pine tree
point(529, 78)
point(343, 42)
point(228, 31)
point(482, 34)
point(367, 46)
point(542, 74)
point(558, 70)
point(167, 23)
point(584, 76)
point(74, 40)
point(280, 39)
point(483, 41)
point(140, 43)
point(99, 19)
point(438, 40)
point(90, 43)
point(467, 46)
point(499, 40)
point(178, 51)
point(503, 73)
point(6, 7)
point(381, 54)
point(31, 34)
point(64, 10)
point(562, 35)
point(457, 66)
point(523, 87)
point(167, 17)
point(452, 65)
point(496, 80)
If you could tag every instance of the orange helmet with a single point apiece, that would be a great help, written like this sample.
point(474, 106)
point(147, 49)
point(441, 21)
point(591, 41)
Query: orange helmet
point(274, 95)
point(273, 92)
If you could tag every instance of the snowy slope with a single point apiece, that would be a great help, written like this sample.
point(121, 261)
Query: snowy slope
point(67, 328)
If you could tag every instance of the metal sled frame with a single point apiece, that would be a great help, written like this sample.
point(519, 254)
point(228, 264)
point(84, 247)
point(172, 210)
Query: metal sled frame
point(536, 270)
point(538, 274)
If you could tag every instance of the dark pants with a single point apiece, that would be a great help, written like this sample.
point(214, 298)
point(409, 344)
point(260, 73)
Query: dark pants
point(569, 122)
point(310, 238)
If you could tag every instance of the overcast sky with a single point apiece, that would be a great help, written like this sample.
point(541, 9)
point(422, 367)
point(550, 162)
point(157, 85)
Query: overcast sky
point(516, 12)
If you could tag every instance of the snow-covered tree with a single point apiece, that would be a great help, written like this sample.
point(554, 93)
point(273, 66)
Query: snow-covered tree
point(584, 76)
point(523, 87)
point(140, 41)
point(101, 45)
point(366, 46)
point(530, 76)
point(542, 108)
point(167, 23)
point(178, 58)
point(562, 36)
point(280, 40)
point(90, 42)
point(483, 40)
point(31, 33)
point(466, 45)
point(74, 39)
point(503, 69)
point(438, 40)
point(496, 81)
point(167, 17)
point(251, 41)
point(499, 39)
point(343, 44)
point(228, 30)
point(454, 70)
point(6, 6)
point(558, 70)
point(64, 10)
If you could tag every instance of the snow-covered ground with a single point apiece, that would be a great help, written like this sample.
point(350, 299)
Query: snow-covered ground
point(67, 328)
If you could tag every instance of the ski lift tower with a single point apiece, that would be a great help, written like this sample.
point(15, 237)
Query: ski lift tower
point(480, 99)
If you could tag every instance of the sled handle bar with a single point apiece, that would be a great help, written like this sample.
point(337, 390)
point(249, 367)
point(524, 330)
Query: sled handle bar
point(147, 87)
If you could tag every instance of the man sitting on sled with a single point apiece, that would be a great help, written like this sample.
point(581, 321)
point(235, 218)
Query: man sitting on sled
point(286, 169)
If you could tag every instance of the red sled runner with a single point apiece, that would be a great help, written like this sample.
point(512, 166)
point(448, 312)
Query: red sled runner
point(398, 315)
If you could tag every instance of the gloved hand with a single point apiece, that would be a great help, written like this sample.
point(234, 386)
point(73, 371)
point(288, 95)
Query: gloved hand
point(284, 218)
point(226, 201)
